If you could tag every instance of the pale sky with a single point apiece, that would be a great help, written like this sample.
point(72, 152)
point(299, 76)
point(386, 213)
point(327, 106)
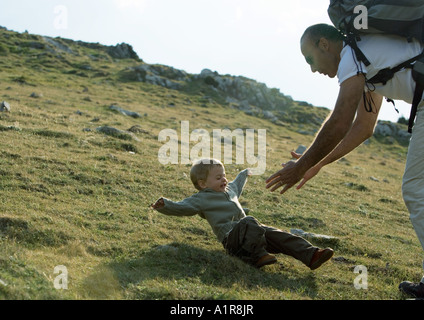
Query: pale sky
point(258, 39)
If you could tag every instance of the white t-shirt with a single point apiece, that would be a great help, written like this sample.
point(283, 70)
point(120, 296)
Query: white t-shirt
point(382, 51)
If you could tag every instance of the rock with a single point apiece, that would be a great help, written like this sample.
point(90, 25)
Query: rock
point(116, 133)
point(4, 107)
point(270, 116)
point(122, 51)
point(404, 135)
point(247, 95)
point(306, 132)
point(384, 129)
point(35, 45)
point(238, 89)
point(301, 149)
point(36, 95)
point(207, 73)
point(56, 45)
point(393, 131)
point(137, 129)
point(163, 76)
point(125, 112)
point(344, 160)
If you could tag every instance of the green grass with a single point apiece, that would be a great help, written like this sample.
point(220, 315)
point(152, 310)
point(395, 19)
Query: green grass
point(79, 198)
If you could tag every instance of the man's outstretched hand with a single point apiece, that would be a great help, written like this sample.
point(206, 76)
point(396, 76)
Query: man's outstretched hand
point(286, 178)
point(290, 175)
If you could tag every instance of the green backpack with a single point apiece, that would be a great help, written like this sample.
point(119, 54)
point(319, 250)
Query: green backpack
point(398, 17)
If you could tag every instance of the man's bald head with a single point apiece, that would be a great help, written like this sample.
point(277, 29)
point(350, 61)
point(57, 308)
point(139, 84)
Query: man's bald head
point(318, 31)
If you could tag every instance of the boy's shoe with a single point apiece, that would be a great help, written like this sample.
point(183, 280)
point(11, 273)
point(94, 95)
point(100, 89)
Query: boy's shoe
point(321, 256)
point(415, 290)
point(265, 260)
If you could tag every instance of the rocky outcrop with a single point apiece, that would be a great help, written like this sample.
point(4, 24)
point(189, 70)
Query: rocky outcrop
point(245, 92)
point(122, 51)
point(390, 132)
point(125, 112)
point(59, 45)
point(117, 133)
point(251, 97)
point(164, 76)
point(54, 45)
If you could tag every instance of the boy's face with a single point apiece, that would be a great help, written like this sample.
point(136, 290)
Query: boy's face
point(216, 180)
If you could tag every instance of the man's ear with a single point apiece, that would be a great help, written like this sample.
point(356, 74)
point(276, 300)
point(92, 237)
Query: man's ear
point(324, 44)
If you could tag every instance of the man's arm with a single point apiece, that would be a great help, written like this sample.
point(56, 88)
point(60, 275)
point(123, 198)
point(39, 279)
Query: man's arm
point(330, 135)
point(362, 129)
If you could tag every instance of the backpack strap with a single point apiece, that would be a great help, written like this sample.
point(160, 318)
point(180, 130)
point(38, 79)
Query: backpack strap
point(418, 95)
point(385, 75)
point(351, 40)
point(418, 75)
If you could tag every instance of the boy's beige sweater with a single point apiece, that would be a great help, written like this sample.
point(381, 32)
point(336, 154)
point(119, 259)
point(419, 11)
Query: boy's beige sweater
point(221, 209)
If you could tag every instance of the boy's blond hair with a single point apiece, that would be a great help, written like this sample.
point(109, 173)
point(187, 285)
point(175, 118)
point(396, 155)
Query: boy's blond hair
point(200, 170)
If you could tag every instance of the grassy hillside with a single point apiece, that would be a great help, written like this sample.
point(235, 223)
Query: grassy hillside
point(76, 197)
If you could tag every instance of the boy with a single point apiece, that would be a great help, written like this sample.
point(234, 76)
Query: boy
point(242, 236)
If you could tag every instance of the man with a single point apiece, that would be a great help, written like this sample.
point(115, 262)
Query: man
point(355, 115)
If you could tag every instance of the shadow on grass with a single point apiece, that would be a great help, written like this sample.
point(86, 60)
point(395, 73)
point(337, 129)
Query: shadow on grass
point(180, 271)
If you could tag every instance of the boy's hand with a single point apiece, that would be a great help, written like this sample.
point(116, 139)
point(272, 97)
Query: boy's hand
point(158, 205)
point(249, 172)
